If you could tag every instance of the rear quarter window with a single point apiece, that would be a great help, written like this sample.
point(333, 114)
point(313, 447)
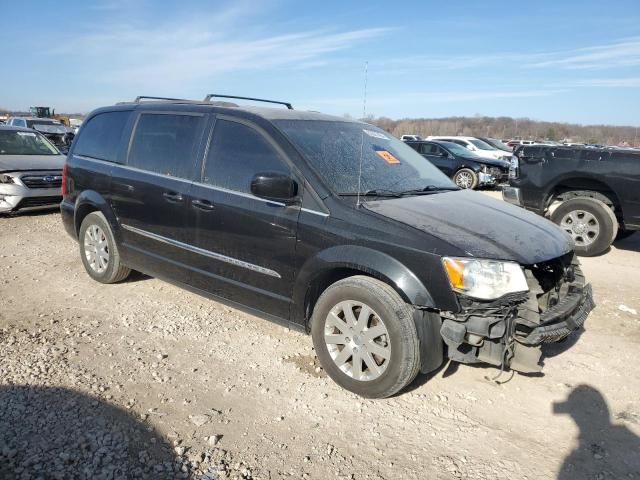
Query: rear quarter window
point(166, 143)
point(100, 137)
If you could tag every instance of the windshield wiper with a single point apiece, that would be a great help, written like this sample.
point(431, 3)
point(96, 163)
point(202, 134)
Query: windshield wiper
point(427, 190)
point(374, 193)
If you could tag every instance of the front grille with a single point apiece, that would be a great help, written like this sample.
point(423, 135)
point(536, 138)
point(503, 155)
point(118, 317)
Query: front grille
point(31, 202)
point(43, 181)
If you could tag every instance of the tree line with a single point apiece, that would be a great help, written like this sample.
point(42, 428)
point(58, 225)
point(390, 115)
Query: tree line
point(510, 128)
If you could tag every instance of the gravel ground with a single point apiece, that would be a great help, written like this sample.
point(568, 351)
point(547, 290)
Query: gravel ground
point(144, 380)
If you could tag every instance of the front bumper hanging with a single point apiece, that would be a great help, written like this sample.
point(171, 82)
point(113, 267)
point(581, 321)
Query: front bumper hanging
point(509, 332)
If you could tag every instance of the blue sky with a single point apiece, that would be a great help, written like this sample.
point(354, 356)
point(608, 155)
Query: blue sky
point(576, 61)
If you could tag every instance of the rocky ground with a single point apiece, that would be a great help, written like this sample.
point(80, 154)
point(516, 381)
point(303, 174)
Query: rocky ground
point(144, 380)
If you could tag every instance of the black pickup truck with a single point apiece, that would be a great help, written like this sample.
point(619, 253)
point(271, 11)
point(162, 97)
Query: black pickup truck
point(592, 193)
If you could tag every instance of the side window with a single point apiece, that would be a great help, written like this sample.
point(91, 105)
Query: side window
point(426, 148)
point(592, 155)
point(564, 154)
point(100, 137)
point(166, 143)
point(236, 154)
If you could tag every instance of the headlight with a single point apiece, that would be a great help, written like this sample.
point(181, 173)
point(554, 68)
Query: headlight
point(4, 178)
point(484, 279)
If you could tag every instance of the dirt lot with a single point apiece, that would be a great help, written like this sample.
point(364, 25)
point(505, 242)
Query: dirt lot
point(142, 379)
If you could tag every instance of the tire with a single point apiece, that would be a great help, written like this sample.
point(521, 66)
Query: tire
point(98, 250)
point(591, 223)
point(466, 178)
point(388, 361)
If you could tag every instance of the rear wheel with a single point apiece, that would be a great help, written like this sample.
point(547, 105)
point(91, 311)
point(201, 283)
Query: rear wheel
point(591, 223)
point(365, 337)
point(466, 178)
point(99, 251)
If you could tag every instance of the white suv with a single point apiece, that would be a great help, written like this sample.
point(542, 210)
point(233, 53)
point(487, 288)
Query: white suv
point(477, 146)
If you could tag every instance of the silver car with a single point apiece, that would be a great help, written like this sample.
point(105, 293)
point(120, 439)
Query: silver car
point(30, 170)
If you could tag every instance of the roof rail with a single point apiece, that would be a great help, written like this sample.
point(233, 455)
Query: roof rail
point(213, 95)
point(143, 97)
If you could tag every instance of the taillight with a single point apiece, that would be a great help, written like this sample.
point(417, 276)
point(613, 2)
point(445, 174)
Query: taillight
point(65, 173)
point(514, 166)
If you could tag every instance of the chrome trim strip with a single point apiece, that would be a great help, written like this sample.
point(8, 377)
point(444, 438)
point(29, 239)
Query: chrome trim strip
point(315, 212)
point(202, 251)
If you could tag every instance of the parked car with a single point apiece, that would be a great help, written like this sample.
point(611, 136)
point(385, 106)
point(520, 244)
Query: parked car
point(30, 170)
point(516, 143)
point(328, 225)
point(464, 167)
point(478, 147)
point(60, 135)
point(593, 194)
point(495, 143)
point(410, 138)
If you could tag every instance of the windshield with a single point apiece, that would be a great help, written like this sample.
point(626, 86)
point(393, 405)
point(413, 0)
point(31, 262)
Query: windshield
point(334, 150)
point(481, 145)
point(457, 149)
point(25, 143)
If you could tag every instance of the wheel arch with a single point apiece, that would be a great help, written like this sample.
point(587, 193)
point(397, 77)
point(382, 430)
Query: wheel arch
point(584, 185)
point(344, 261)
point(91, 201)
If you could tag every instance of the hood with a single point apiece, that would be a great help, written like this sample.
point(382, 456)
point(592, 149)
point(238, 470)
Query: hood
point(53, 128)
point(492, 154)
point(16, 163)
point(494, 162)
point(481, 226)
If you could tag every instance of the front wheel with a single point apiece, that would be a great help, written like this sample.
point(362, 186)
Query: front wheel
point(466, 178)
point(365, 337)
point(590, 222)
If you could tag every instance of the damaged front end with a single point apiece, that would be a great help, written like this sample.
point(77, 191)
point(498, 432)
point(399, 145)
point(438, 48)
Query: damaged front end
point(509, 331)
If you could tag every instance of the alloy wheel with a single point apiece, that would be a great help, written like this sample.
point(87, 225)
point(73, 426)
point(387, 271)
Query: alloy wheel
point(357, 340)
point(96, 248)
point(464, 180)
point(582, 226)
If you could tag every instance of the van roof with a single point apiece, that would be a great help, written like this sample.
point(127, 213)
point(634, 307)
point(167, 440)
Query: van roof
point(269, 113)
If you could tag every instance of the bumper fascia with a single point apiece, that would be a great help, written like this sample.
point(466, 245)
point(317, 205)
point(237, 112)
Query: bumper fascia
point(67, 213)
point(512, 195)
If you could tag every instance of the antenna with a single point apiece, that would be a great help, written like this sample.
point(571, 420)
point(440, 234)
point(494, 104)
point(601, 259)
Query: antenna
point(364, 114)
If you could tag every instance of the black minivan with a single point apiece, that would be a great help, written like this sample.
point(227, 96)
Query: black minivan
point(324, 224)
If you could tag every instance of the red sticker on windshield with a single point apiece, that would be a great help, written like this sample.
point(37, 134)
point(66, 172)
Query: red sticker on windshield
point(387, 157)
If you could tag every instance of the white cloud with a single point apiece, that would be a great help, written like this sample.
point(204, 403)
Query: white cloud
point(180, 53)
point(625, 53)
point(611, 82)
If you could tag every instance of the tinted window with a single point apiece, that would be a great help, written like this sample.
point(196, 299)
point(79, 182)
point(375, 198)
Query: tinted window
point(533, 152)
point(166, 144)
point(100, 137)
point(592, 154)
point(236, 154)
point(564, 154)
point(430, 149)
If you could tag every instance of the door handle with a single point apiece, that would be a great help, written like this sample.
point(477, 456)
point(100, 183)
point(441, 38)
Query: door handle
point(172, 196)
point(203, 204)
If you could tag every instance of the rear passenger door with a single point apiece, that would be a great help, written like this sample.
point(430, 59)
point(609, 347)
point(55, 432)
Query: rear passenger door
point(151, 192)
point(247, 243)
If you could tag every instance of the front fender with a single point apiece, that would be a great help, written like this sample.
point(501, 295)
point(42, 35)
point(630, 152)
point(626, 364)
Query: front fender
point(362, 259)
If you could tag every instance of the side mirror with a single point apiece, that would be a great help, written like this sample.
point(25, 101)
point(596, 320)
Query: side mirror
point(274, 186)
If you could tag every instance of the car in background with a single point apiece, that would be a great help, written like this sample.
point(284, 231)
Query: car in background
point(30, 170)
point(478, 147)
point(408, 138)
point(591, 193)
point(495, 143)
point(516, 143)
point(55, 131)
point(465, 168)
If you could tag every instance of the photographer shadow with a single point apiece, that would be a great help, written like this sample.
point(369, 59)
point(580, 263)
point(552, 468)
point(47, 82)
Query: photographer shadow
point(605, 450)
point(52, 432)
